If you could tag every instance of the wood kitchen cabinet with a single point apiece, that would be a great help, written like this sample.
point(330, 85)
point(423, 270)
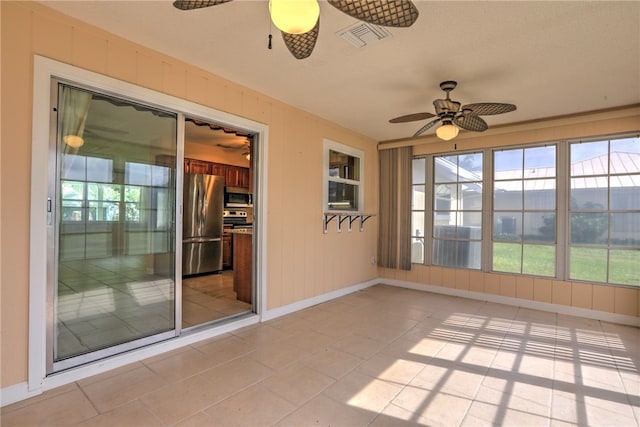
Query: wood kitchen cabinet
point(227, 254)
point(242, 265)
point(237, 176)
point(218, 169)
point(197, 166)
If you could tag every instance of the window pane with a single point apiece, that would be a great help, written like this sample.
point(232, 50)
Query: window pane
point(470, 167)
point(456, 253)
point(540, 194)
point(589, 158)
point(539, 227)
point(417, 197)
point(589, 193)
point(445, 197)
point(625, 229)
point(417, 223)
point(625, 156)
point(99, 170)
point(540, 162)
point(539, 260)
point(469, 225)
point(507, 164)
point(72, 190)
point(419, 176)
point(507, 257)
point(417, 250)
point(446, 169)
point(588, 264)
point(73, 167)
point(470, 196)
point(507, 195)
point(343, 196)
point(589, 228)
point(624, 267)
point(625, 192)
point(344, 166)
point(507, 226)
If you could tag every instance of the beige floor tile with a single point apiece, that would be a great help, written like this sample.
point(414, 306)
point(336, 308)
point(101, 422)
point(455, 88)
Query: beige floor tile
point(255, 406)
point(130, 414)
point(324, 411)
point(392, 369)
point(332, 362)
point(200, 419)
point(61, 409)
point(447, 378)
point(438, 409)
point(236, 374)
point(394, 415)
point(224, 349)
point(359, 346)
point(298, 383)
point(122, 388)
point(180, 400)
point(363, 392)
point(260, 334)
point(181, 365)
point(482, 413)
point(36, 399)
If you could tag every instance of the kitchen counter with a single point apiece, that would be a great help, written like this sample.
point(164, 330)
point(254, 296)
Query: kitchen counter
point(247, 230)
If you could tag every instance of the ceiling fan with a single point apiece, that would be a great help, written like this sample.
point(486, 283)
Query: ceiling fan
point(450, 113)
point(299, 20)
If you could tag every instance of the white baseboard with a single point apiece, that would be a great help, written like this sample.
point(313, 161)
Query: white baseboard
point(604, 316)
point(15, 393)
point(300, 305)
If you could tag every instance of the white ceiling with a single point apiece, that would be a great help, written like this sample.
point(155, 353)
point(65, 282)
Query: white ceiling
point(549, 58)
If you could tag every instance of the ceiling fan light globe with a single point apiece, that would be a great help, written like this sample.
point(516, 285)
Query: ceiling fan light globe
point(73, 141)
point(294, 16)
point(447, 132)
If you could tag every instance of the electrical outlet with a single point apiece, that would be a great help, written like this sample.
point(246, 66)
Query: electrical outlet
point(373, 260)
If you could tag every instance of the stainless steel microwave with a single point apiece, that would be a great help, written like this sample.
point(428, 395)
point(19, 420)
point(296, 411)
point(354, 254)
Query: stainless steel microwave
point(234, 199)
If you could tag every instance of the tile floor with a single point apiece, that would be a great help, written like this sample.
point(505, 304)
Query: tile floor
point(383, 356)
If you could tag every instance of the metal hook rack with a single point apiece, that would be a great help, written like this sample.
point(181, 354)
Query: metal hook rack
point(351, 217)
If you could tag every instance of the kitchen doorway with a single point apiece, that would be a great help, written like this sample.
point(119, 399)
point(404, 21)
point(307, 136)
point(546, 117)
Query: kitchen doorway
point(217, 207)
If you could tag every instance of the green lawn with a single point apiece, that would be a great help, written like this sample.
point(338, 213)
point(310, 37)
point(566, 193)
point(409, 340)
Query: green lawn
point(589, 264)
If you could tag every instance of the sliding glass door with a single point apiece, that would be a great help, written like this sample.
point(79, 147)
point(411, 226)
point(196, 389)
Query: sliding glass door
point(112, 224)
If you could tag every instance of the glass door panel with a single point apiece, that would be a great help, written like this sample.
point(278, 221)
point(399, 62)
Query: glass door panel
point(113, 287)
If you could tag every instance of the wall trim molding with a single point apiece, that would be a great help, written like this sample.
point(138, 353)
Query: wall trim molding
point(622, 319)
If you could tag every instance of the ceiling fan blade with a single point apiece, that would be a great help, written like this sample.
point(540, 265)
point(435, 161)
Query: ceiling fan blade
point(412, 117)
point(388, 13)
point(196, 4)
point(426, 127)
point(473, 123)
point(487, 108)
point(301, 45)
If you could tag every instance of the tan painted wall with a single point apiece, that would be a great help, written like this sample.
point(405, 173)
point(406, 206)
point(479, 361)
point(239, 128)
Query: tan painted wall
point(607, 298)
point(302, 262)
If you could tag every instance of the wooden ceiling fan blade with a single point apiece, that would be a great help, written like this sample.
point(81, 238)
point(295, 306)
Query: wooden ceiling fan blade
point(412, 117)
point(388, 13)
point(301, 45)
point(487, 108)
point(472, 123)
point(426, 127)
point(196, 4)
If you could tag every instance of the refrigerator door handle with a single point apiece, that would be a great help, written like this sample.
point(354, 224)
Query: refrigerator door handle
point(202, 240)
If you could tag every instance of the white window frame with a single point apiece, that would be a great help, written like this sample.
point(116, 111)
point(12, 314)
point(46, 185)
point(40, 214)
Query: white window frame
point(329, 145)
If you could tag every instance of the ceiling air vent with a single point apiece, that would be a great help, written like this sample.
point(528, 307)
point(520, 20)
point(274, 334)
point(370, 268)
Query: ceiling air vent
point(364, 34)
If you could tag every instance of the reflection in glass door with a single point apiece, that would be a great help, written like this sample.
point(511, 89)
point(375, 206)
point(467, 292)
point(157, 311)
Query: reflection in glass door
point(113, 227)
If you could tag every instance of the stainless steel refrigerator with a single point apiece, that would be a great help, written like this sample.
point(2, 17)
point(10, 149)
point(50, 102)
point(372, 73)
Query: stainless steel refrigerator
point(203, 204)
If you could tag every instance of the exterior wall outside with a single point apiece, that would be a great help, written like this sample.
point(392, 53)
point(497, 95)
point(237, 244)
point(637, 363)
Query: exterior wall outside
point(592, 296)
point(302, 261)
